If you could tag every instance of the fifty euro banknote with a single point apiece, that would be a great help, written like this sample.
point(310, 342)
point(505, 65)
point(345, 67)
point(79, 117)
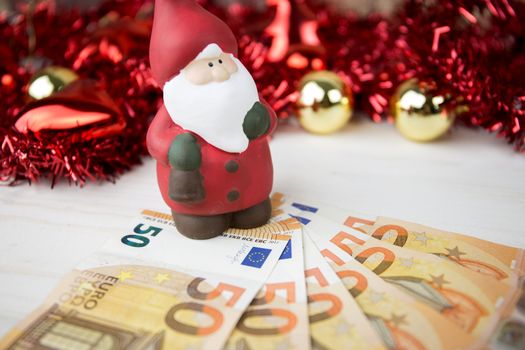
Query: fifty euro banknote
point(503, 263)
point(474, 302)
point(336, 321)
point(400, 321)
point(277, 318)
point(151, 287)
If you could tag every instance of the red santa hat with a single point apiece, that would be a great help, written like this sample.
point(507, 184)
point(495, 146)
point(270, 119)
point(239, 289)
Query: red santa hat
point(181, 30)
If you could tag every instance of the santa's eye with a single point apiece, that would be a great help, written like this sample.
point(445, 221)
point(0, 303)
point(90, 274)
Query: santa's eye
point(210, 64)
point(220, 61)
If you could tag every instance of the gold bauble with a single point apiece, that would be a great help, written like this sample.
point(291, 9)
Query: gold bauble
point(325, 102)
point(49, 80)
point(420, 115)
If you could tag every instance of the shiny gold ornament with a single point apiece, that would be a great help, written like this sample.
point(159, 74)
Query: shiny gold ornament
point(419, 115)
point(325, 103)
point(49, 80)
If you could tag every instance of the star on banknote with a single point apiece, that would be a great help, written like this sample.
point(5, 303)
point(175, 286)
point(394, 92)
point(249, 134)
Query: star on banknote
point(455, 252)
point(85, 286)
point(439, 281)
point(162, 277)
point(125, 275)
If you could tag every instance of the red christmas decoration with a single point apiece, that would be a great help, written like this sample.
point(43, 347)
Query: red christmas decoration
point(108, 46)
point(471, 50)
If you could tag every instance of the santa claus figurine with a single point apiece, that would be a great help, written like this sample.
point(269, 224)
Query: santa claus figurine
point(209, 138)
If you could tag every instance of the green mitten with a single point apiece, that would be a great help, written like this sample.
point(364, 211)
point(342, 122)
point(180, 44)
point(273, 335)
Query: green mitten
point(185, 153)
point(256, 122)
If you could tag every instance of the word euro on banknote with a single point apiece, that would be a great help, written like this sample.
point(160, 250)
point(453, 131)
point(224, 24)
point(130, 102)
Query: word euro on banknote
point(151, 288)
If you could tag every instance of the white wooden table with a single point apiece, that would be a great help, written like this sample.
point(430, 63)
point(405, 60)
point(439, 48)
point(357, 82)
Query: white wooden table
point(469, 182)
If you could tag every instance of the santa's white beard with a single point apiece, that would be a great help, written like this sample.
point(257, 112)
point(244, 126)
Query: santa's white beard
point(214, 111)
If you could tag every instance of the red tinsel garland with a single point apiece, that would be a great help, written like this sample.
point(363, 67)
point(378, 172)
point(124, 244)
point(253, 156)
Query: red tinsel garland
point(473, 50)
point(111, 55)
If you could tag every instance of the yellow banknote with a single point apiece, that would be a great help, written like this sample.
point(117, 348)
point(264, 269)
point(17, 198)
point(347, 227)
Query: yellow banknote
point(336, 321)
point(278, 317)
point(471, 301)
point(475, 303)
point(400, 320)
point(130, 307)
point(509, 333)
point(498, 261)
point(149, 287)
point(503, 263)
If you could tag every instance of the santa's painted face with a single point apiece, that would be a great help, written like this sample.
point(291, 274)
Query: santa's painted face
point(205, 70)
point(211, 97)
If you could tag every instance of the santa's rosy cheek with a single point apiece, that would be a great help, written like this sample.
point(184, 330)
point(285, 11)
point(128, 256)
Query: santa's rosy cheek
point(198, 74)
point(228, 63)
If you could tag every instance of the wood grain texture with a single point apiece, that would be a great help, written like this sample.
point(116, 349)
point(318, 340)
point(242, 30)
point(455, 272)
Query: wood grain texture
point(469, 182)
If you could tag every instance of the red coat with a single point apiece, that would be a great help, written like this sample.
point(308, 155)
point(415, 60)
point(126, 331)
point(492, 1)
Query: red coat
point(253, 179)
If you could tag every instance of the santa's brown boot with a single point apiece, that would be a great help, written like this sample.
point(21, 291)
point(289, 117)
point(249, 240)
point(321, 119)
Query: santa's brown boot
point(251, 217)
point(201, 227)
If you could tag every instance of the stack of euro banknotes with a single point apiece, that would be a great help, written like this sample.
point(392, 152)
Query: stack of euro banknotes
point(315, 277)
